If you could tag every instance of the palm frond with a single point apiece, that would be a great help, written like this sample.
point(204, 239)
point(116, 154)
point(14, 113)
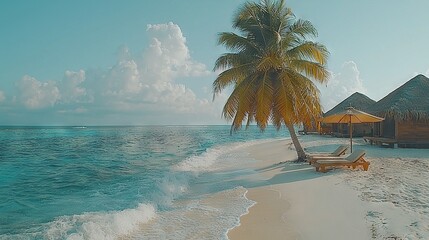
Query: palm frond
point(284, 98)
point(247, 17)
point(309, 51)
point(227, 78)
point(229, 60)
point(307, 102)
point(302, 28)
point(311, 69)
point(235, 42)
point(264, 99)
point(269, 61)
point(250, 118)
point(276, 119)
point(240, 99)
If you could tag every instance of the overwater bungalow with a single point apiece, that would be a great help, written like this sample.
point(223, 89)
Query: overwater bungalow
point(360, 102)
point(406, 113)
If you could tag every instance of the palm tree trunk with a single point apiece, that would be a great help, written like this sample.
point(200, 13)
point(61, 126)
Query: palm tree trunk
point(296, 143)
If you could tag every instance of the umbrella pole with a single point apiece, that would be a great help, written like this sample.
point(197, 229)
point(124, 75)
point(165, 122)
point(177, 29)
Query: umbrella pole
point(351, 130)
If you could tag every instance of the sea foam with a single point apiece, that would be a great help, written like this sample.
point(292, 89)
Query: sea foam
point(209, 217)
point(200, 163)
point(215, 158)
point(107, 225)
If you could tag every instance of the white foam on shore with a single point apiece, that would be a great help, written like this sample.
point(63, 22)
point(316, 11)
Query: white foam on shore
point(103, 225)
point(219, 158)
point(200, 163)
point(169, 188)
point(209, 217)
point(238, 223)
point(216, 158)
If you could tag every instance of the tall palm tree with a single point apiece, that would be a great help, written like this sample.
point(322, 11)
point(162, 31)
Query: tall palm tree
point(272, 67)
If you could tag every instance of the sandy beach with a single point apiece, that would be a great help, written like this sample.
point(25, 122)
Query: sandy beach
point(390, 201)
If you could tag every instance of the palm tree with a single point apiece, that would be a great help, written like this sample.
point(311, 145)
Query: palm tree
point(272, 68)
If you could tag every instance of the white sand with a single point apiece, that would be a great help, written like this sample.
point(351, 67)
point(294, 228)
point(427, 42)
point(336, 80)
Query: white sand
point(390, 201)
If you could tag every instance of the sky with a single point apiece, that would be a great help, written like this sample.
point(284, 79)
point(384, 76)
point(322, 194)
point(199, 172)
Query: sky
point(136, 62)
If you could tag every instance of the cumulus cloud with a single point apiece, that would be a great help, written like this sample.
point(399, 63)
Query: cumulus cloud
point(35, 94)
point(123, 78)
point(143, 86)
point(342, 85)
point(71, 88)
point(148, 84)
point(2, 96)
point(168, 56)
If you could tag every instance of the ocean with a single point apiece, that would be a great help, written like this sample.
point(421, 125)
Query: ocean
point(148, 182)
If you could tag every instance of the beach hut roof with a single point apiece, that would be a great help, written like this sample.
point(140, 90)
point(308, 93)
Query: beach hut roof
point(357, 100)
point(409, 101)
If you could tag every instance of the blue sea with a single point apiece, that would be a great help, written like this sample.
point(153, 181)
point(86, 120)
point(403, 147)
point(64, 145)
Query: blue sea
point(149, 182)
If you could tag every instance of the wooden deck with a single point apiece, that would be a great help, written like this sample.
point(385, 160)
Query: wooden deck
point(389, 142)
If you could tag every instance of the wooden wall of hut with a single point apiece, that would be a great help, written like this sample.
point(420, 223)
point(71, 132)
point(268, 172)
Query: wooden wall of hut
point(413, 131)
point(325, 128)
point(377, 129)
point(389, 128)
point(363, 129)
point(359, 129)
point(408, 134)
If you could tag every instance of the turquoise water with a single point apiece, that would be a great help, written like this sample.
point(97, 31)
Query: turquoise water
point(105, 182)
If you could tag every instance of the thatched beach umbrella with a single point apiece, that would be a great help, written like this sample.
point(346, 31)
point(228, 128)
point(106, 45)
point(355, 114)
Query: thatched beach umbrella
point(350, 116)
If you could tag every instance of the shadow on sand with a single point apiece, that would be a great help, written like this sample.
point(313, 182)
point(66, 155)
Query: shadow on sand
point(285, 172)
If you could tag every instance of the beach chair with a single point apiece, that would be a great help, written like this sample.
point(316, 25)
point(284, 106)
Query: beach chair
point(353, 160)
point(341, 150)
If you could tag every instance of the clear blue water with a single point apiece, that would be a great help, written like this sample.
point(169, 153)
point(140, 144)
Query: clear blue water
point(56, 182)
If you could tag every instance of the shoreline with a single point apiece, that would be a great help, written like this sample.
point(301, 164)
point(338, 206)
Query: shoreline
point(299, 203)
point(269, 209)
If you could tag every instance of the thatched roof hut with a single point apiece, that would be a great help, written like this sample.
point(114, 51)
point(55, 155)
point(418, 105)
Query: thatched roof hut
point(357, 100)
point(408, 102)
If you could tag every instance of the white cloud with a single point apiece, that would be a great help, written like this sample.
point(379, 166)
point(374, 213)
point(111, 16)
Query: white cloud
point(71, 87)
point(148, 84)
point(341, 85)
point(123, 79)
point(2, 96)
point(144, 87)
point(168, 56)
point(35, 94)
point(176, 97)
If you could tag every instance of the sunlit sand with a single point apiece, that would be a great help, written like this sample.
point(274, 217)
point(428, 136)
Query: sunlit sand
point(388, 201)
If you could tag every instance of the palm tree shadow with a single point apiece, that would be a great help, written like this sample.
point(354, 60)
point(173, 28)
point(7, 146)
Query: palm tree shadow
point(287, 172)
point(294, 173)
point(272, 167)
point(291, 171)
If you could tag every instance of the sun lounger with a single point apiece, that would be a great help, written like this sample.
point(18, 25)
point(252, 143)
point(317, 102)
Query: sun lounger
point(353, 160)
point(341, 150)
